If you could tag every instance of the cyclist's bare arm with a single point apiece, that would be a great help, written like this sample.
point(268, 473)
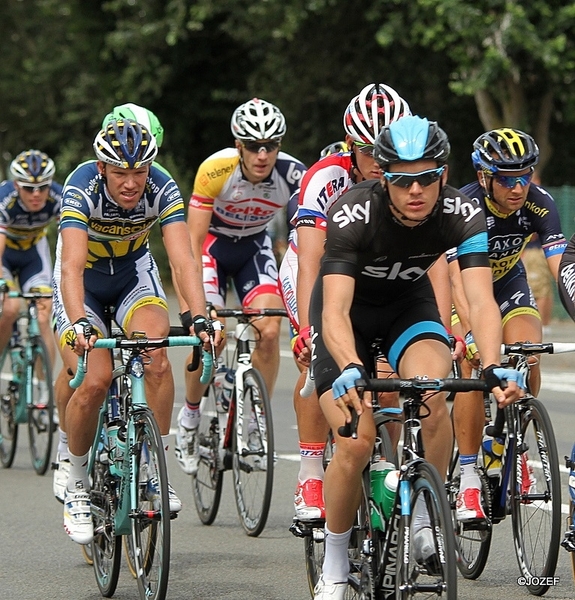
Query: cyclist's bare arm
point(188, 276)
point(197, 227)
point(337, 331)
point(485, 319)
point(311, 243)
point(439, 277)
point(553, 262)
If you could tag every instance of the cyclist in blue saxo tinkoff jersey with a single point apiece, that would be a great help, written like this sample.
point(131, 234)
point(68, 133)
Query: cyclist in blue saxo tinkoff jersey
point(515, 208)
point(103, 259)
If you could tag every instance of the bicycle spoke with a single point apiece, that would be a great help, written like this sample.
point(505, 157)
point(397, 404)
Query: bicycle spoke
point(41, 408)
point(8, 401)
point(151, 520)
point(207, 483)
point(536, 502)
point(253, 459)
point(106, 549)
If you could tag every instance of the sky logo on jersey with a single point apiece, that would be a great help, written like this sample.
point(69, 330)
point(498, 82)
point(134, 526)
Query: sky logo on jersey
point(350, 214)
point(456, 206)
point(393, 272)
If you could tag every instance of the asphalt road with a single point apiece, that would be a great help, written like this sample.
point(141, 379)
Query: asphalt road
point(38, 561)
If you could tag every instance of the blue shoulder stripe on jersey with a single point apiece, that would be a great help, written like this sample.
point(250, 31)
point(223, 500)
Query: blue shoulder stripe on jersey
point(415, 330)
point(477, 243)
point(306, 212)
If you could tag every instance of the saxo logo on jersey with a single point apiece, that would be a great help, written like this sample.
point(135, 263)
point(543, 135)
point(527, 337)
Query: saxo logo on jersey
point(350, 214)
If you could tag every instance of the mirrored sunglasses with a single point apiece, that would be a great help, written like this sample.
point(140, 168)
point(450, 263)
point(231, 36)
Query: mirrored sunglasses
point(366, 149)
point(257, 147)
point(31, 187)
point(406, 180)
point(510, 181)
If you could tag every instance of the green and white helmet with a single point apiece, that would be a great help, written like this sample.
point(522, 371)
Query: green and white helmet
point(133, 112)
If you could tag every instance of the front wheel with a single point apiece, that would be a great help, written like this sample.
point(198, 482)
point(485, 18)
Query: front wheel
point(40, 398)
point(8, 401)
point(253, 454)
point(426, 555)
point(207, 482)
point(150, 541)
point(536, 496)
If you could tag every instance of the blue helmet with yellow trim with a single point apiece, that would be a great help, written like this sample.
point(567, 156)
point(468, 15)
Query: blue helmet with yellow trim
point(125, 144)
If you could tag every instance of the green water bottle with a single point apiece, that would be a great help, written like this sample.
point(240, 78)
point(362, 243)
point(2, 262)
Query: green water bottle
point(377, 474)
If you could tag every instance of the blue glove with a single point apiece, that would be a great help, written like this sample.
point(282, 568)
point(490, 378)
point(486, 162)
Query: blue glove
point(347, 379)
point(495, 375)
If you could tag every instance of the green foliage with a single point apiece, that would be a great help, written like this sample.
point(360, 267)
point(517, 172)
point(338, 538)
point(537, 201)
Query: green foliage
point(469, 65)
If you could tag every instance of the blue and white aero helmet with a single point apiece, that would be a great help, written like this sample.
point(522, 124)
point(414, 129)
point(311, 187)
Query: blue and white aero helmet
point(126, 144)
point(32, 166)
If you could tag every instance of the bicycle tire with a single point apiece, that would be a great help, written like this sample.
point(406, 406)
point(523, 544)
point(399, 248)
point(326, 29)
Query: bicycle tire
point(128, 544)
point(253, 462)
point(41, 408)
point(208, 481)
point(414, 580)
point(106, 546)
point(9, 395)
point(536, 515)
point(151, 522)
point(569, 526)
point(365, 577)
point(87, 553)
point(472, 542)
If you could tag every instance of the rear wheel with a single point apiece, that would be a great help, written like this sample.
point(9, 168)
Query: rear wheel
point(151, 521)
point(253, 459)
point(427, 574)
point(8, 401)
point(207, 483)
point(472, 540)
point(106, 550)
point(40, 408)
point(536, 500)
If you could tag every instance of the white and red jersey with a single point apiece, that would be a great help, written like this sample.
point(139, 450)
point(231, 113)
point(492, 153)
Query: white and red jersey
point(322, 185)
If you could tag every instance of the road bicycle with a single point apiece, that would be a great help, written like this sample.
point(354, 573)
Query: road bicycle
point(238, 437)
point(528, 486)
point(26, 391)
point(381, 551)
point(129, 491)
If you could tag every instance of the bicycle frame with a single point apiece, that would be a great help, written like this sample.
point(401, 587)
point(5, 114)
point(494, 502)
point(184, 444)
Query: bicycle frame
point(23, 376)
point(134, 370)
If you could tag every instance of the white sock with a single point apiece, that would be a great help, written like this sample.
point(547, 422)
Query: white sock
point(79, 471)
point(63, 445)
point(191, 415)
point(336, 561)
point(311, 461)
